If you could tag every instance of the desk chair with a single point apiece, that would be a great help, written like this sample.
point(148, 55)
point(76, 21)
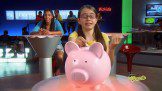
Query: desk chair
point(129, 50)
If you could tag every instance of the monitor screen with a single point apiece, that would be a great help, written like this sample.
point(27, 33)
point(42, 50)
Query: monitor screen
point(25, 15)
point(41, 11)
point(31, 14)
point(158, 20)
point(154, 9)
point(149, 20)
point(65, 13)
point(9, 15)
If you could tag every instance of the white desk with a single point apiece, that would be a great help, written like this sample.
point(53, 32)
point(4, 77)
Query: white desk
point(44, 46)
point(113, 83)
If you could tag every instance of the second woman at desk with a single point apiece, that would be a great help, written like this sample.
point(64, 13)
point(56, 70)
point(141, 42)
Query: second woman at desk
point(50, 26)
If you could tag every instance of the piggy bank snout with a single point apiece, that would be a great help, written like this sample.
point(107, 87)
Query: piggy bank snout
point(79, 76)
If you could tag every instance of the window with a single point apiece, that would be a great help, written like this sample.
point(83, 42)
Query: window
point(9, 15)
point(25, 15)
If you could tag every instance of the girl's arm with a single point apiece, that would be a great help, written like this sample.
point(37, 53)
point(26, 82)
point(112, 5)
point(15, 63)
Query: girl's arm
point(58, 29)
point(55, 33)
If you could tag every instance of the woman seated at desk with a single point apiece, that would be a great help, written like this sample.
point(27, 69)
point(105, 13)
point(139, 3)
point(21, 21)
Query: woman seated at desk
point(51, 26)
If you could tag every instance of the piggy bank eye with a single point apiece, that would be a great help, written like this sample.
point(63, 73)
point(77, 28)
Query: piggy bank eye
point(74, 60)
point(85, 61)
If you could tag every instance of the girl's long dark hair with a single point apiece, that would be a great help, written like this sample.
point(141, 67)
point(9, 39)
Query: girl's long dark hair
point(52, 26)
point(97, 32)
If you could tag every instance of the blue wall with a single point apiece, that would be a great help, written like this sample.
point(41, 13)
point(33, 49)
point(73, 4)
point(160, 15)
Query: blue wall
point(112, 20)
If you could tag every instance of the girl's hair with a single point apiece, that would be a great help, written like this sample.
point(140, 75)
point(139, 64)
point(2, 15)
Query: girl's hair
point(52, 26)
point(97, 33)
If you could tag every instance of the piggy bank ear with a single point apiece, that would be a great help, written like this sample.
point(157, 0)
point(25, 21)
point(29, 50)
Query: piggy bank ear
point(97, 49)
point(71, 46)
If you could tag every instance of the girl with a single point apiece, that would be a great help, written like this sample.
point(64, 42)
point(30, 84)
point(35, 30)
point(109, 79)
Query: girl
point(88, 29)
point(51, 26)
point(48, 26)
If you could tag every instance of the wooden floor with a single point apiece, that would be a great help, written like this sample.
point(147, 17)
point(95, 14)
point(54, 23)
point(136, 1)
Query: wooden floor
point(18, 76)
point(23, 76)
point(18, 68)
point(153, 75)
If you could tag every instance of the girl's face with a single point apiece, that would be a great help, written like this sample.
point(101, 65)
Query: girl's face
point(48, 16)
point(87, 19)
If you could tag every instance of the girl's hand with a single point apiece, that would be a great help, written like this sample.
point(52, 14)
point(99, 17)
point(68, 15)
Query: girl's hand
point(41, 29)
point(44, 32)
point(80, 41)
point(40, 32)
point(116, 39)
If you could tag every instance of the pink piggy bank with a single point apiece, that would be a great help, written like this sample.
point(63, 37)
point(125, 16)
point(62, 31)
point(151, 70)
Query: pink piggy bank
point(87, 66)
